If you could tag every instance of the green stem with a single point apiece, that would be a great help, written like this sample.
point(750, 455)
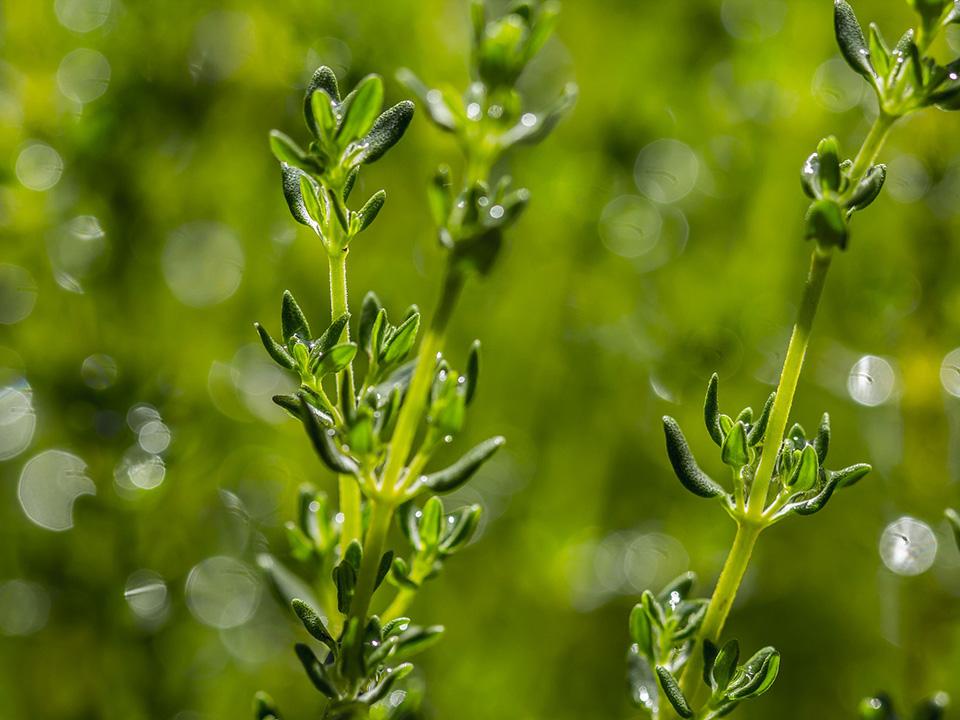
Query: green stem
point(871, 147)
point(789, 377)
point(720, 603)
point(381, 514)
point(411, 413)
point(347, 485)
point(415, 402)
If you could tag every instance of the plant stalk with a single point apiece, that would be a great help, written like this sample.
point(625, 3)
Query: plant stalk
point(724, 594)
point(411, 413)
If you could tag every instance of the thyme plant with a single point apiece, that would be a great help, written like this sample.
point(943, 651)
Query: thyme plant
point(777, 472)
point(375, 405)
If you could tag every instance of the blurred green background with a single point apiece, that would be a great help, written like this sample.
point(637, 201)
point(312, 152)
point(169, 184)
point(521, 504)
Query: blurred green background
point(142, 231)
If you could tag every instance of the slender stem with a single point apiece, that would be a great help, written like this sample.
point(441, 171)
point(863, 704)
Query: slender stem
point(723, 596)
point(411, 413)
point(347, 485)
point(373, 546)
point(790, 375)
point(405, 595)
point(871, 147)
point(414, 405)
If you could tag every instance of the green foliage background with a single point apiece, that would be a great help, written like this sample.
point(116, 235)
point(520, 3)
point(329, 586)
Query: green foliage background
point(584, 351)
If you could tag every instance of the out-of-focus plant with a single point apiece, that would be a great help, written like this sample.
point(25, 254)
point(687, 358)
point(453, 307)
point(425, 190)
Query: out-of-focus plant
point(377, 423)
point(880, 707)
point(778, 472)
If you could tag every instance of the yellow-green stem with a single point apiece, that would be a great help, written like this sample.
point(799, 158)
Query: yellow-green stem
point(871, 147)
point(789, 377)
point(723, 596)
point(347, 485)
point(411, 414)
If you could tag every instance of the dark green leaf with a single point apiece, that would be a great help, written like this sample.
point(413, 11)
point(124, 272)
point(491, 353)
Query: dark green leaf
point(954, 519)
point(360, 109)
point(851, 475)
point(455, 475)
point(711, 410)
point(673, 693)
point(293, 323)
point(314, 670)
point(400, 345)
point(286, 150)
point(473, 371)
point(313, 623)
point(274, 349)
point(759, 429)
point(640, 631)
point(734, 451)
point(825, 224)
point(368, 213)
point(368, 315)
point(323, 441)
point(756, 677)
point(292, 179)
point(685, 465)
point(264, 708)
point(725, 664)
point(459, 532)
point(853, 45)
point(386, 131)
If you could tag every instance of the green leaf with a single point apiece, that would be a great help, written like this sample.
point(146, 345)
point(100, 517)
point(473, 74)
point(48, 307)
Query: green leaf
point(654, 608)
point(725, 665)
point(954, 519)
point(879, 52)
point(285, 584)
point(825, 224)
point(315, 670)
point(334, 360)
point(828, 152)
point(369, 311)
point(293, 322)
point(293, 180)
point(821, 442)
point(387, 680)
point(323, 441)
point(933, 708)
point(711, 410)
point(851, 475)
point(275, 349)
point(641, 632)
point(868, 189)
point(313, 623)
point(323, 79)
point(685, 465)
point(473, 371)
point(264, 707)
point(681, 585)
point(853, 45)
point(399, 346)
point(386, 131)
point(345, 579)
point(331, 336)
point(318, 108)
point(759, 429)
point(673, 693)
point(457, 474)
point(386, 562)
point(360, 109)
point(339, 210)
point(430, 523)
point(287, 151)
point(460, 528)
point(417, 639)
point(368, 213)
point(756, 677)
point(734, 451)
point(806, 472)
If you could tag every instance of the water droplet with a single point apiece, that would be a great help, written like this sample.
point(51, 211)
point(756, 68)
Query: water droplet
point(871, 381)
point(39, 166)
point(77, 248)
point(222, 592)
point(24, 607)
point(495, 111)
point(835, 87)
point(140, 414)
point(147, 595)
point(474, 111)
point(496, 212)
point(82, 15)
point(203, 263)
point(950, 372)
point(154, 437)
point(49, 485)
point(908, 546)
point(83, 75)
point(753, 20)
point(138, 470)
point(99, 371)
point(18, 421)
point(908, 179)
point(630, 226)
point(666, 170)
point(528, 120)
